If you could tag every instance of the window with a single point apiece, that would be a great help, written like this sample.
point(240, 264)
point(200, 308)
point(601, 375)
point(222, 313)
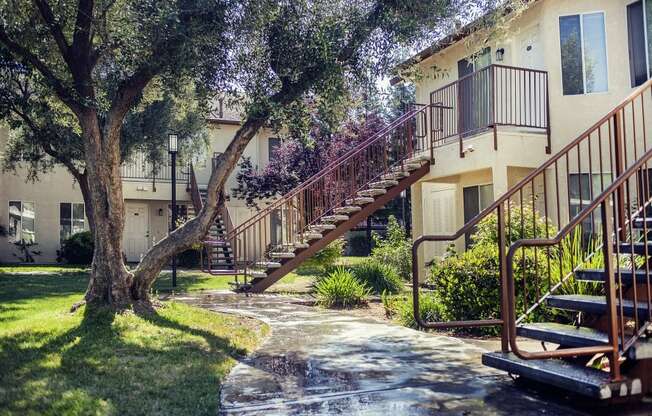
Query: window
point(582, 191)
point(272, 144)
point(476, 198)
point(71, 219)
point(639, 22)
point(22, 222)
point(583, 53)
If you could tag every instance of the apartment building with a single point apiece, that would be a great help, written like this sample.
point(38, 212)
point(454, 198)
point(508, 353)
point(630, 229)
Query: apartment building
point(49, 210)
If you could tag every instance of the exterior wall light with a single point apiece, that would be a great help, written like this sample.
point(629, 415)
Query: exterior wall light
point(500, 54)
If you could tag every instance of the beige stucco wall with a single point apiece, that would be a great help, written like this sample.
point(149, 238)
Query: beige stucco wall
point(519, 152)
point(59, 186)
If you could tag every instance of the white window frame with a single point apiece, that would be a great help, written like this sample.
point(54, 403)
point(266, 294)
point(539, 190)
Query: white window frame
point(19, 233)
point(71, 216)
point(606, 49)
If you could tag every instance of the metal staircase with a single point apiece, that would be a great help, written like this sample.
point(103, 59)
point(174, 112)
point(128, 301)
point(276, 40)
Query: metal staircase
point(295, 226)
point(598, 188)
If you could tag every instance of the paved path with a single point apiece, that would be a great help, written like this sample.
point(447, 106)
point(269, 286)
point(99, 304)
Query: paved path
point(318, 362)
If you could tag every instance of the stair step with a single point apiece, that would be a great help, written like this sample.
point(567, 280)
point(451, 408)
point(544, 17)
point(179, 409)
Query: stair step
point(346, 210)
point(641, 350)
point(311, 235)
point(322, 227)
point(639, 248)
point(586, 381)
point(406, 167)
point(394, 175)
point(593, 304)
point(258, 274)
point(268, 265)
point(372, 192)
point(383, 184)
point(597, 275)
point(335, 218)
point(361, 200)
point(300, 246)
point(282, 255)
point(639, 222)
point(418, 159)
point(564, 335)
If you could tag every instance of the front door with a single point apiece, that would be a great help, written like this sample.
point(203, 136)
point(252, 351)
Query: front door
point(136, 236)
point(474, 92)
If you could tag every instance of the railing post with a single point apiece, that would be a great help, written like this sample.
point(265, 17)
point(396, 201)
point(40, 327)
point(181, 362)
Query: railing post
point(502, 259)
point(610, 291)
point(493, 104)
point(460, 117)
point(619, 155)
point(549, 145)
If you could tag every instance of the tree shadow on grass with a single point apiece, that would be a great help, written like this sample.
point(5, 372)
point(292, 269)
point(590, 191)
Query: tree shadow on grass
point(104, 367)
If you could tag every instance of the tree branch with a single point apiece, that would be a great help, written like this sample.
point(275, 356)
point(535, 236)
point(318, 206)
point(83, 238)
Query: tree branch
point(81, 38)
point(55, 29)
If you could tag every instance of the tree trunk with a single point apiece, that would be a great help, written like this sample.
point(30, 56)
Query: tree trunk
point(110, 281)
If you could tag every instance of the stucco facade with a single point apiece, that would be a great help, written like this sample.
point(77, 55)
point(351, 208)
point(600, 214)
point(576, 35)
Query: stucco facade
point(146, 201)
point(532, 41)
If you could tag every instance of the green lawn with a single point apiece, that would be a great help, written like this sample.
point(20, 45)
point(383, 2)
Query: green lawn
point(54, 362)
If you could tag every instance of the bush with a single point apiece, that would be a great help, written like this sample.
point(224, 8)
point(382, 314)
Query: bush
point(78, 248)
point(326, 257)
point(395, 250)
point(401, 308)
point(341, 289)
point(379, 277)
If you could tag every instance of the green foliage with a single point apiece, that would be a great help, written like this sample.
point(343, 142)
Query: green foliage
point(78, 248)
point(573, 255)
point(341, 289)
point(523, 223)
point(379, 277)
point(325, 258)
point(359, 245)
point(395, 249)
point(401, 307)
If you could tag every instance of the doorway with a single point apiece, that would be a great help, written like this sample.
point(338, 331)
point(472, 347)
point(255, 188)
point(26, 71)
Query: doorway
point(136, 236)
point(474, 92)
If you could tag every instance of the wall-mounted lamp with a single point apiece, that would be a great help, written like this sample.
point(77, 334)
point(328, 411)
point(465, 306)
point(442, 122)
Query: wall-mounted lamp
point(500, 54)
point(160, 212)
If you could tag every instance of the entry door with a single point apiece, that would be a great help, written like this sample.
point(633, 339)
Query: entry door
point(474, 93)
point(136, 237)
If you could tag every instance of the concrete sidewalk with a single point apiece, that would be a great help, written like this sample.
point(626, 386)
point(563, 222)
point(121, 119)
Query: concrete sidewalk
point(320, 362)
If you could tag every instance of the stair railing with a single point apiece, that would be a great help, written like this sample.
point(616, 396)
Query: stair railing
point(290, 220)
point(589, 190)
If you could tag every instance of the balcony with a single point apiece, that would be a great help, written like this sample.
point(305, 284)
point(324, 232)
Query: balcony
point(138, 168)
point(492, 97)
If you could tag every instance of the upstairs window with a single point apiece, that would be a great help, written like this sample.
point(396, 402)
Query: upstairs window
point(71, 219)
point(639, 21)
point(583, 53)
point(22, 222)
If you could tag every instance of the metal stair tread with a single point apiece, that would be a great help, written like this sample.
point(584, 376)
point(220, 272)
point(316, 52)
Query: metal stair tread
point(372, 192)
point(335, 218)
point(566, 335)
point(347, 209)
point(639, 248)
point(592, 304)
point(597, 275)
point(387, 183)
point(586, 381)
point(638, 222)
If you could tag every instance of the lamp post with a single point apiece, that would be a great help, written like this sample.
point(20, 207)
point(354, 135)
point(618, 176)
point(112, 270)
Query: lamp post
point(172, 149)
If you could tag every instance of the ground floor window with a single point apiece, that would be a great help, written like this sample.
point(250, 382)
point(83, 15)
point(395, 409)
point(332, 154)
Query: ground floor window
point(71, 219)
point(22, 222)
point(476, 198)
point(583, 187)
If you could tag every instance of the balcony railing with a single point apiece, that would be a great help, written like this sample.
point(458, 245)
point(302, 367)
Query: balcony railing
point(140, 169)
point(494, 96)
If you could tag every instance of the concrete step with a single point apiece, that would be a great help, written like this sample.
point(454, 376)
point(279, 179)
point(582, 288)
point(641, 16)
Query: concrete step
point(564, 335)
point(373, 192)
point(282, 255)
point(347, 209)
point(258, 274)
point(383, 184)
point(311, 235)
point(586, 381)
point(395, 176)
point(626, 275)
point(267, 265)
point(593, 304)
point(334, 218)
point(361, 200)
point(322, 227)
point(406, 167)
point(418, 159)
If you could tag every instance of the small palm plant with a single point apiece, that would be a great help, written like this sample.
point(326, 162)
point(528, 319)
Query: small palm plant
point(341, 289)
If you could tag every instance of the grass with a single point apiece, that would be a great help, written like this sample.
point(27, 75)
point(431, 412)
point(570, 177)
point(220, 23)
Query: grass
point(53, 362)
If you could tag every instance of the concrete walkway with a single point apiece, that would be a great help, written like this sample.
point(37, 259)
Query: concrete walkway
point(318, 362)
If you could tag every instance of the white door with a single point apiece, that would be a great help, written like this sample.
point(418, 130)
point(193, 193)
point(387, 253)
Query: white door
point(136, 235)
point(438, 215)
point(530, 51)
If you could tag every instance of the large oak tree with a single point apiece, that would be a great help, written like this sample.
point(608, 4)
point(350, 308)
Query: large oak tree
point(95, 59)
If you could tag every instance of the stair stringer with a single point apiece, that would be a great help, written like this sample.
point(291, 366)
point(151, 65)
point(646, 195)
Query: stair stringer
point(345, 226)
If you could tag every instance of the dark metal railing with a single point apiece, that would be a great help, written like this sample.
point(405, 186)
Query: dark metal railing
point(590, 192)
point(494, 96)
point(138, 168)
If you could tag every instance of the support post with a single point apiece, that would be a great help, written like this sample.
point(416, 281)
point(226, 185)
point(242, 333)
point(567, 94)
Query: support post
point(619, 155)
point(504, 312)
point(610, 289)
point(173, 224)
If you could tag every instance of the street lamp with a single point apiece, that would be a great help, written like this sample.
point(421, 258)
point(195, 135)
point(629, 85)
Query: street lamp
point(172, 149)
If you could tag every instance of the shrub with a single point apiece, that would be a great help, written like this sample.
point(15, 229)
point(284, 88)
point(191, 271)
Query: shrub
point(522, 223)
point(341, 289)
point(78, 248)
point(395, 249)
point(326, 257)
point(401, 308)
point(379, 277)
